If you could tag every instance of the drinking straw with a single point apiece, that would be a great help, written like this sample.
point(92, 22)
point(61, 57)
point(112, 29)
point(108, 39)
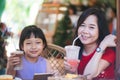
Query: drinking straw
point(75, 40)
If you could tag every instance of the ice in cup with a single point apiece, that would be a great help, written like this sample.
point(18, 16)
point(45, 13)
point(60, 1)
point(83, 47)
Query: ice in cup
point(72, 53)
point(19, 54)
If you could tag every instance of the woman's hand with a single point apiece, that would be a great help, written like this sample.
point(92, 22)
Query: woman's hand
point(67, 65)
point(71, 68)
point(108, 41)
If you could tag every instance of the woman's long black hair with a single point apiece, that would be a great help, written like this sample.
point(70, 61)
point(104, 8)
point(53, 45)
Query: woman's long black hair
point(102, 24)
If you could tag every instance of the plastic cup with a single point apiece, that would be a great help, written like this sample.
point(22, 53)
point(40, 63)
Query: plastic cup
point(73, 63)
point(72, 53)
point(19, 54)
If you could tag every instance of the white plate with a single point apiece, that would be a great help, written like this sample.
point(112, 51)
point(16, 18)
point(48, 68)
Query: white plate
point(16, 78)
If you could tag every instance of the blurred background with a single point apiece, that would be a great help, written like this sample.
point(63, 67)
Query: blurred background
point(57, 18)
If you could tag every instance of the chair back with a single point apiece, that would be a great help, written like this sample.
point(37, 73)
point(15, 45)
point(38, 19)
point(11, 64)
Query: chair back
point(55, 55)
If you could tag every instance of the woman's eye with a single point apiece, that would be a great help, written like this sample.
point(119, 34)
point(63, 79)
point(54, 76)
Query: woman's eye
point(91, 27)
point(82, 25)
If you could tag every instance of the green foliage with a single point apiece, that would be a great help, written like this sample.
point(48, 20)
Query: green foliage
point(111, 3)
point(2, 6)
point(20, 11)
point(63, 35)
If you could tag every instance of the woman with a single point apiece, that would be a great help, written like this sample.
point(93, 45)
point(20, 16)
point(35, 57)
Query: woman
point(96, 59)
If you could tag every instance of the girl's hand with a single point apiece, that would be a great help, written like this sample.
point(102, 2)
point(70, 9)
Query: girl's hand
point(108, 41)
point(13, 60)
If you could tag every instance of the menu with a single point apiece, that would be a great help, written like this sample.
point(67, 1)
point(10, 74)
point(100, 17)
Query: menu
point(42, 76)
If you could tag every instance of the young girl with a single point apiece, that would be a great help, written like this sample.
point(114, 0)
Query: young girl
point(32, 42)
point(96, 59)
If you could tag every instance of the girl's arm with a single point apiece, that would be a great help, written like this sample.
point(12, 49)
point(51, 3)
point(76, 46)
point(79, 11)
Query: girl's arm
point(10, 70)
point(12, 61)
point(49, 68)
point(96, 65)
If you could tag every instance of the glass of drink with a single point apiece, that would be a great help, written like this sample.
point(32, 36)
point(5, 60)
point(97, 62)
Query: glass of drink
point(18, 54)
point(72, 53)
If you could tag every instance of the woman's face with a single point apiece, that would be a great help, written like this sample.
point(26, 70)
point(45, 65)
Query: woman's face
point(33, 47)
point(89, 30)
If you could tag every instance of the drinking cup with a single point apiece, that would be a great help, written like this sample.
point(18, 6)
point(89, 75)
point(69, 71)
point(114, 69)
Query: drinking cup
point(72, 53)
point(18, 54)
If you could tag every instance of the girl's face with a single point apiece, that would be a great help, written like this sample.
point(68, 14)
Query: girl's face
point(89, 30)
point(33, 47)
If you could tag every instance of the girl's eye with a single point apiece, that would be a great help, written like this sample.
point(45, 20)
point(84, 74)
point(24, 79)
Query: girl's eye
point(38, 42)
point(28, 43)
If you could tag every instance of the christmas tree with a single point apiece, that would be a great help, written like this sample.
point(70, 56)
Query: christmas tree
point(63, 35)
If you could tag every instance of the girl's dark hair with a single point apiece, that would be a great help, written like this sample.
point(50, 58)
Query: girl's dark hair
point(31, 29)
point(101, 20)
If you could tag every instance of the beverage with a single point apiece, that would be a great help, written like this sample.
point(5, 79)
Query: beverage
point(18, 54)
point(74, 64)
point(72, 53)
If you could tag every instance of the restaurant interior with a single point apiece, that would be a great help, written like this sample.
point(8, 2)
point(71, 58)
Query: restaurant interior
point(50, 16)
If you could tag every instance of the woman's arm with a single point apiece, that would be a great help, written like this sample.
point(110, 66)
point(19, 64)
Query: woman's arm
point(96, 65)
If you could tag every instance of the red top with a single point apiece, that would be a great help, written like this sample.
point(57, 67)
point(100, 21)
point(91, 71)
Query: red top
point(109, 55)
